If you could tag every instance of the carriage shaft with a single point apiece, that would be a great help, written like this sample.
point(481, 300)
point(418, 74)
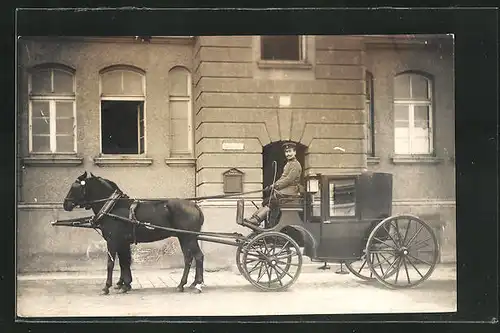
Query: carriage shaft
point(219, 241)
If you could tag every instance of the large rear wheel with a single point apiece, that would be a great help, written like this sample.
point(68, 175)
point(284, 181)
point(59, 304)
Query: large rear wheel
point(406, 249)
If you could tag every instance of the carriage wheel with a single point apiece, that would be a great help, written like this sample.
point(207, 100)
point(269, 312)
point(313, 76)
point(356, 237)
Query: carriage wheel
point(402, 251)
point(360, 269)
point(239, 253)
point(272, 261)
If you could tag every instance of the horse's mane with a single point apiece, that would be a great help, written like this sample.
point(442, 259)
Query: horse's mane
point(113, 185)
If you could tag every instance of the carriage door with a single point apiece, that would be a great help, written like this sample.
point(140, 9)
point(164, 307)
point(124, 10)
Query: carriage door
point(338, 234)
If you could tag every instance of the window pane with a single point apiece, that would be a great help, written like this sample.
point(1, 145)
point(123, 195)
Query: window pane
point(112, 83)
point(401, 145)
point(64, 109)
point(179, 109)
point(421, 113)
point(65, 144)
point(41, 144)
point(40, 120)
point(402, 86)
point(132, 83)
point(420, 145)
point(41, 82)
point(419, 87)
point(179, 135)
point(316, 203)
point(64, 125)
point(280, 47)
point(401, 115)
point(63, 82)
point(342, 198)
point(178, 82)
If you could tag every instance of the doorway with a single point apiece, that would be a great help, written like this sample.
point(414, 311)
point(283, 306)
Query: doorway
point(274, 152)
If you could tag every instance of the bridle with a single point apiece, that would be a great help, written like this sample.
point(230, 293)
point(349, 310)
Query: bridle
point(117, 194)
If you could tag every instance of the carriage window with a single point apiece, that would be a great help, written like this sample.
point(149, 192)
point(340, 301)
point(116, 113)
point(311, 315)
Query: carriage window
point(122, 111)
point(52, 109)
point(316, 202)
point(342, 197)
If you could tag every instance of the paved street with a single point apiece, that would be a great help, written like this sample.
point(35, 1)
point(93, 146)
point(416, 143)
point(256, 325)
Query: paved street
point(228, 293)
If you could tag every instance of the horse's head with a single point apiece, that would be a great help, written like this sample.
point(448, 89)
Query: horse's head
point(86, 189)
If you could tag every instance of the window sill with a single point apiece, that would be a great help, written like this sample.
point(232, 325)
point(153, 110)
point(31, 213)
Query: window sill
point(373, 160)
point(52, 160)
point(122, 161)
point(180, 161)
point(282, 64)
point(415, 159)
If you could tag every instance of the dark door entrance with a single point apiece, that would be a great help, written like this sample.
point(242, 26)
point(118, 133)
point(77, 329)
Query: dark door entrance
point(274, 152)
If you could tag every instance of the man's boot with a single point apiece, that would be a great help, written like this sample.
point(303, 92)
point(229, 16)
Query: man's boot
point(259, 216)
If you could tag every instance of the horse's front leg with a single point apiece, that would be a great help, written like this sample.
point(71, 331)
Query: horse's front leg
point(198, 257)
point(110, 267)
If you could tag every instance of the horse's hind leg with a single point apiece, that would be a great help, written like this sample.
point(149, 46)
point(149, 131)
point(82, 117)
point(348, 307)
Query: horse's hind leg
point(125, 257)
point(198, 257)
point(188, 258)
point(110, 267)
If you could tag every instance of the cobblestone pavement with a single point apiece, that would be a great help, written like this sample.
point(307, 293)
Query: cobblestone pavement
point(227, 293)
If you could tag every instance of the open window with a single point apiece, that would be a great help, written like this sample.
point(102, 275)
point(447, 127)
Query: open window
point(122, 111)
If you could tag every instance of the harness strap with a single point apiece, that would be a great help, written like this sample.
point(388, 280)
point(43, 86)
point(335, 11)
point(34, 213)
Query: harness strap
point(132, 216)
point(107, 207)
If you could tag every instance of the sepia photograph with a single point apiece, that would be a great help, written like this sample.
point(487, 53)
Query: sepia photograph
point(235, 175)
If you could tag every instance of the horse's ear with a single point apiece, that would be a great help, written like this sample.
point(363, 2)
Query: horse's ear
point(84, 175)
point(92, 175)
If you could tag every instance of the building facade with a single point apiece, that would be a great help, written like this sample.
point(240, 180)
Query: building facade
point(170, 116)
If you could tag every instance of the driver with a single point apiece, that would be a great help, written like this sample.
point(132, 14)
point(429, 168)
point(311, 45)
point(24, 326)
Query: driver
point(288, 186)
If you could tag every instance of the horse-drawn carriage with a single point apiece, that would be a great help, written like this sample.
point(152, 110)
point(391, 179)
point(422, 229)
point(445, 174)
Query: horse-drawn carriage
point(346, 220)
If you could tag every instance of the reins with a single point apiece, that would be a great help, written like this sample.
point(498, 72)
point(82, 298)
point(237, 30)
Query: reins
point(221, 196)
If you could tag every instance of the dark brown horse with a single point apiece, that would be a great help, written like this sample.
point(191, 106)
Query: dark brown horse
point(104, 196)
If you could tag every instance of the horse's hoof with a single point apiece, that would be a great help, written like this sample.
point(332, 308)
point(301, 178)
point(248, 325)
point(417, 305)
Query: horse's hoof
point(105, 291)
point(125, 288)
point(197, 288)
point(180, 289)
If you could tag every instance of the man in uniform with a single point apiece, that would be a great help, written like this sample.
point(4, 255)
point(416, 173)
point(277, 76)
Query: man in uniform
point(288, 186)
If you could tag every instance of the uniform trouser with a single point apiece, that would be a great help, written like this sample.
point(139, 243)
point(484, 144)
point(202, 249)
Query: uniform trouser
point(271, 206)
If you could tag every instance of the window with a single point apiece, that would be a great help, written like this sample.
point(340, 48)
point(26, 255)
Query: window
point(369, 112)
point(52, 110)
point(413, 114)
point(122, 111)
point(284, 48)
point(181, 128)
point(342, 194)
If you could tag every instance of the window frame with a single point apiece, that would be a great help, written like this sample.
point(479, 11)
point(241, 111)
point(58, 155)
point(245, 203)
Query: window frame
point(189, 99)
point(328, 209)
point(410, 103)
point(52, 98)
point(302, 51)
point(370, 110)
point(124, 98)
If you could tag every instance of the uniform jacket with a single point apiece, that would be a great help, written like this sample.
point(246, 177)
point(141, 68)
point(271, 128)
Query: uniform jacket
point(289, 182)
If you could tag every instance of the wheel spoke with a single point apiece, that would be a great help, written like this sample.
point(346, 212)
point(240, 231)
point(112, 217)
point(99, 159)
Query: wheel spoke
point(416, 269)
point(392, 265)
point(414, 236)
point(283, 247)
point(420, 242)
point(397, 272)
point(255, 267)
point(389, 234)
point(260, 275)
point(406, 269)
point(287, 263)
point(386, 260)
point(397, 231)
point(364, 263)
point(378, 258)
point(381, 241)
point(283, 271)
point(406, 232)
point(423, 261)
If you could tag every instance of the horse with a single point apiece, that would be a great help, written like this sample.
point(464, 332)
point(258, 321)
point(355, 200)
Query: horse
point(97, 193)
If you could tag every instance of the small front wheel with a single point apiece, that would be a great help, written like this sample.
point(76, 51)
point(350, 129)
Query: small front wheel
point(272, 261)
